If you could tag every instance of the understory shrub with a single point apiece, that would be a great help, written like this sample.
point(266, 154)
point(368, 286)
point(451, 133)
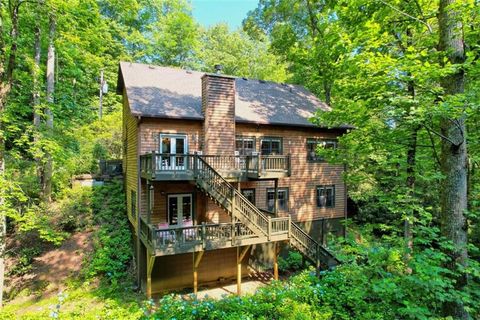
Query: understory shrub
point(373, 282)
point(75, 209)
point(293, 262)
point(112, 240)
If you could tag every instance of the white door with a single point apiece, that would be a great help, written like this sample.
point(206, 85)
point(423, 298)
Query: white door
point(173, 149)
point(180, 210)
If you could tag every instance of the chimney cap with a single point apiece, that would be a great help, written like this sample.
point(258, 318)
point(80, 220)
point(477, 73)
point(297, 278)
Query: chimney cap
point(218, 68)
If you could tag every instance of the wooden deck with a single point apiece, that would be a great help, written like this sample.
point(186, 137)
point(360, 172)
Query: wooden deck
point(203, 237)
point(180, 167)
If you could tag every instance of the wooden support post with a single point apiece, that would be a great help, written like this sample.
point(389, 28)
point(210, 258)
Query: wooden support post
point(269, 228)
point(149, 201)
point(318, 261)
point(275, 261)
point(150, 263)
point(275, 197)
point(196, 263)
point(239, 273)
point(240, 255)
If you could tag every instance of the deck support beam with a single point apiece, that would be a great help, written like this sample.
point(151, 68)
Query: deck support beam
point(150, 263)
point(196, 262)
point(276, 250)
point(241, 253)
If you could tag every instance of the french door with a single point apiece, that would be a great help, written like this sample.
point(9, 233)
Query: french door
point(180, 210)
point(173, 149)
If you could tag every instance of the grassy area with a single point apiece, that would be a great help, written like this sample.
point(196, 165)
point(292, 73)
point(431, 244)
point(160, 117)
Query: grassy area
point(79, 301)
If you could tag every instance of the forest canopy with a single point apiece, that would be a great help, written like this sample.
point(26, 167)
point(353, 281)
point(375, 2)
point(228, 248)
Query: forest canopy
point(404, 74)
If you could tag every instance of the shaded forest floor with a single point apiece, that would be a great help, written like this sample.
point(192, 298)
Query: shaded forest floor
point(51, 271)
point(53, 286)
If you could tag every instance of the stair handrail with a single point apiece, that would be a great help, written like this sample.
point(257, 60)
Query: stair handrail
point(319, 249)
point(296, 233)
point(262, 220)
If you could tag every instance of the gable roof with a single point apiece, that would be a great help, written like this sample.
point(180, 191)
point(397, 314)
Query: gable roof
point(164, 92)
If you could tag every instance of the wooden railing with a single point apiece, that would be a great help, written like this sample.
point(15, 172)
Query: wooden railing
point(280, 225)
point(154, 163)
point(221, 163)
point(235, 203)
point(189, 236)
point(230, 198)
point(147, 232)
point(253, 222)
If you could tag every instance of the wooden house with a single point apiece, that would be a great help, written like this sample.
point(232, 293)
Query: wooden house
point(219, 171)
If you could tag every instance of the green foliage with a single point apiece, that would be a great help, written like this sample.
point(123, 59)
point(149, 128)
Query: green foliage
point(78, 301)
point(112, 241)
point(24, 261)
point(293, 262)
point(371, 283)
point(239, 54)
point(74, 212)
point(101, 139)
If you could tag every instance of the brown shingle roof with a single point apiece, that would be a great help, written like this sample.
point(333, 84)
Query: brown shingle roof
point(154, 91)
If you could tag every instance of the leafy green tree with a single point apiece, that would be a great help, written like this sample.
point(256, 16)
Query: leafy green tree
point(308, 35)
point(239, 54)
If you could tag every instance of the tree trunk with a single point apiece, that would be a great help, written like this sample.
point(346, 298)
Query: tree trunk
point(327, 88)
point(411, 178)
point(454, 153)
point(411, 160)
point(7, 65)
point(36, 102)
point(48, 171)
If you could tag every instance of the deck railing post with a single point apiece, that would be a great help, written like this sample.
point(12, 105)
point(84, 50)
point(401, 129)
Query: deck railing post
point(289, 226)
point(195, 165)
point(289, 164)
point(259, 165)
point(152, 165)
point(269, 228)
point(204, 235)
point(317, 249)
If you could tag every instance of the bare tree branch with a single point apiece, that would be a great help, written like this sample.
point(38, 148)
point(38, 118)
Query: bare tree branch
point(407, 15)
point(442, 136)
point(434, 148)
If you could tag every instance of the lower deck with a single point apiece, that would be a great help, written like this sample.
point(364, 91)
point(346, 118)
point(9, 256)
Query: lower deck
point(190, 271)
point(205, 237)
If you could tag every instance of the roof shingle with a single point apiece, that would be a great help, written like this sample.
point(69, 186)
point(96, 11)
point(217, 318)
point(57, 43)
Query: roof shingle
point(164, 92)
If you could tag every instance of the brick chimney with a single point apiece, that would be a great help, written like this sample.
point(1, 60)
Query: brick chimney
point(218, 107)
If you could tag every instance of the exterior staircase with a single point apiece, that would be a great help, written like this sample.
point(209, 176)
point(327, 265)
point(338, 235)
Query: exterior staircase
point(229, 198)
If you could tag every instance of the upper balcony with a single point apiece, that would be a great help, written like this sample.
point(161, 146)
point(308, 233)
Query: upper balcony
point(167, 166)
